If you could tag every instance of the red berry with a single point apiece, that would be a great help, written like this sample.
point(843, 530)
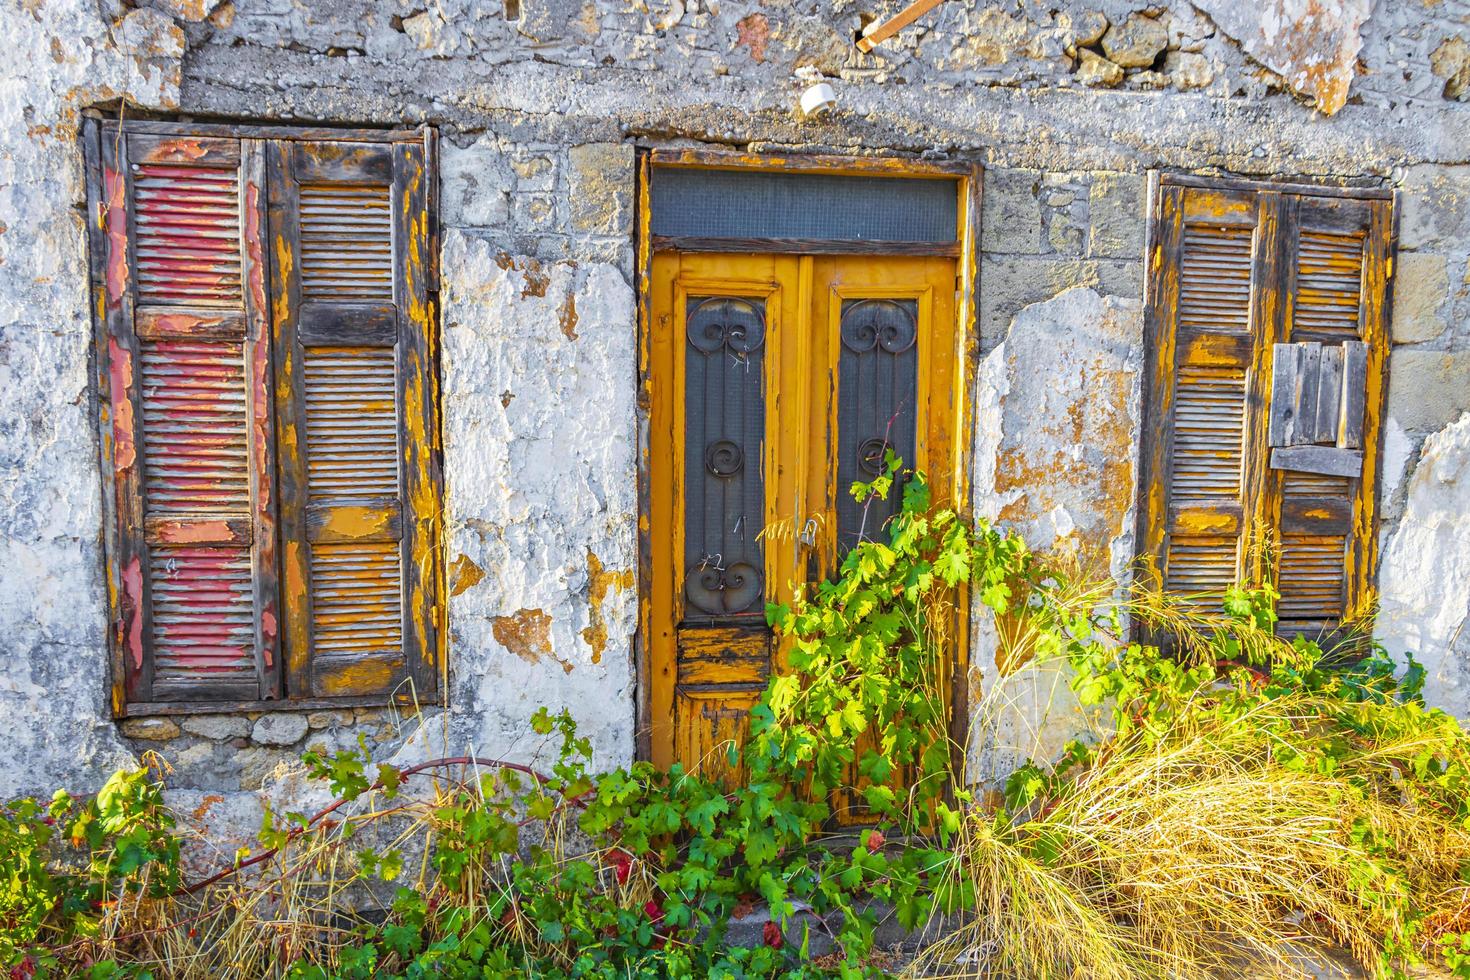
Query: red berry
point(771, 935)
point(622, 865)
point(875, 840)
point(653, 910)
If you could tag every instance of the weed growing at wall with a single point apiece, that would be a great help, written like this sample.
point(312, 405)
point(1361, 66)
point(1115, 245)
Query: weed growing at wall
point(1245, 800)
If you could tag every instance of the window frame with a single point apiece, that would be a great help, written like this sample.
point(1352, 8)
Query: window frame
point(428, 452)
point(1261, 490)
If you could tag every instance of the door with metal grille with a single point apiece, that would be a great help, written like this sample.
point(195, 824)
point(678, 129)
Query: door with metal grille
point(777, 381)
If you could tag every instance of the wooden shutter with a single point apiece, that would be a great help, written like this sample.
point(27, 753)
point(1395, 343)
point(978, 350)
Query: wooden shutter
point(185, 358)
point(358, 470)
point(1334, 275)
point(1234, 271)
point(1212, 250)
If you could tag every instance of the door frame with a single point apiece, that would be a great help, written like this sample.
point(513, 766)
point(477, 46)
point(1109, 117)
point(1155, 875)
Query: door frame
point(969, 178)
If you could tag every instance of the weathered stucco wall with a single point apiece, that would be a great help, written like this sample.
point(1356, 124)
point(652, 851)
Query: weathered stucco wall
point(1067, 105)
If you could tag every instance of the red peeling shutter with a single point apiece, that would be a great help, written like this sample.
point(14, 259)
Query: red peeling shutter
point(186, 355)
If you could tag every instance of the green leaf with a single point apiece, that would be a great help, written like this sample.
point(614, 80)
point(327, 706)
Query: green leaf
point(952, 566)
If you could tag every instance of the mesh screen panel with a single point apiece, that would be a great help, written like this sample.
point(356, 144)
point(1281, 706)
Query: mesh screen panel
point(747, 204)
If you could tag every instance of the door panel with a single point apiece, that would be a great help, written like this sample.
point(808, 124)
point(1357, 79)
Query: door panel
point(778, 381)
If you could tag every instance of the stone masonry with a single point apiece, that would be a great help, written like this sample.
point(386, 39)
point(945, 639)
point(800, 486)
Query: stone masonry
point(541, 105)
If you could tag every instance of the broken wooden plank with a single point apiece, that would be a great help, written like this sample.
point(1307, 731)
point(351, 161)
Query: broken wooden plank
point(880, 31)
point(1286, 367)
point(1354, 395)
point(1329, 396)
point(1327, 460)
point(1305, 428)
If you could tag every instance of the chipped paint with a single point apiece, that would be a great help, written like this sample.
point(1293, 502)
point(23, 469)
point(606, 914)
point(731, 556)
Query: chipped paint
point(120, 382)
point(600, 582)
point(1312, 44)
point(464, 574)
point(527, 634)
point(568, 316)
point(132, 602)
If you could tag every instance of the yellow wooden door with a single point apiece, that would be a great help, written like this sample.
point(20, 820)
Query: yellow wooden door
point(777, 381)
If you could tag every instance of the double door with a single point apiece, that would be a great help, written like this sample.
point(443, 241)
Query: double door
point(777, 381)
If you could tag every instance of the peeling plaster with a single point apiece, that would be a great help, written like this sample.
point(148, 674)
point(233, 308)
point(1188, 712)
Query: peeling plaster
point(1312, 44)
point(533, 486)
point(1424, 577)
point(62, 55)
point(1057, 411)
point(1058, 408)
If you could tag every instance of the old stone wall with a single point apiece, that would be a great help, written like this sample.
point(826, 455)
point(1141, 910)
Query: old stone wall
point(540, 105)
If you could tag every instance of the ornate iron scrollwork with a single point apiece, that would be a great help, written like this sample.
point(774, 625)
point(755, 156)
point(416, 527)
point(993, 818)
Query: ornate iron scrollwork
point(721, 591)
point(879, 323)
point(724, 457)
point(727, 324)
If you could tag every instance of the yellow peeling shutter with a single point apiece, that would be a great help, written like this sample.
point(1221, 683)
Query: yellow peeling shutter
point(1334, 273)
point(1245, 280)
point(350, 239)
point(1205, 312)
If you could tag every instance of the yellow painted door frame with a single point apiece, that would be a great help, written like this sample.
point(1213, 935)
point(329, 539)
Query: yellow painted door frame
point(697, 679)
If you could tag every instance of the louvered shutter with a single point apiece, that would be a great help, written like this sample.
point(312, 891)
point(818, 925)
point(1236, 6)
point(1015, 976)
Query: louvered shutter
point(180, 283)
point(349, 232)
point(1235, 271)
point(1333, 273)
point(1212, 249)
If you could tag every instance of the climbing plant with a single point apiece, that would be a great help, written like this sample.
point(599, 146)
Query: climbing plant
point(1240, 765)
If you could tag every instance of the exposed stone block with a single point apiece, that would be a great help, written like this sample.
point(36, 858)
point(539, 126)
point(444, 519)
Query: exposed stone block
point(475, 184)
point(217, 727)
point(258, 764)
point(545, 21)
point(151, 729)
point(329, 719)
point(1436, 207)
point(1188, 69)
point(1115, 216)
point(1088, 27)
point(1010, 283)
point(1421, 285)
point(1010, 218)
point(193, 758)
point(1312, 46)
point(279, 729)
point(814, 41)
point(1428, 389)
point(1136, 42)
point(1451, 61)
point(190, 10)
point(1095, 70)
point(601, 189)
point(1064, 237)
